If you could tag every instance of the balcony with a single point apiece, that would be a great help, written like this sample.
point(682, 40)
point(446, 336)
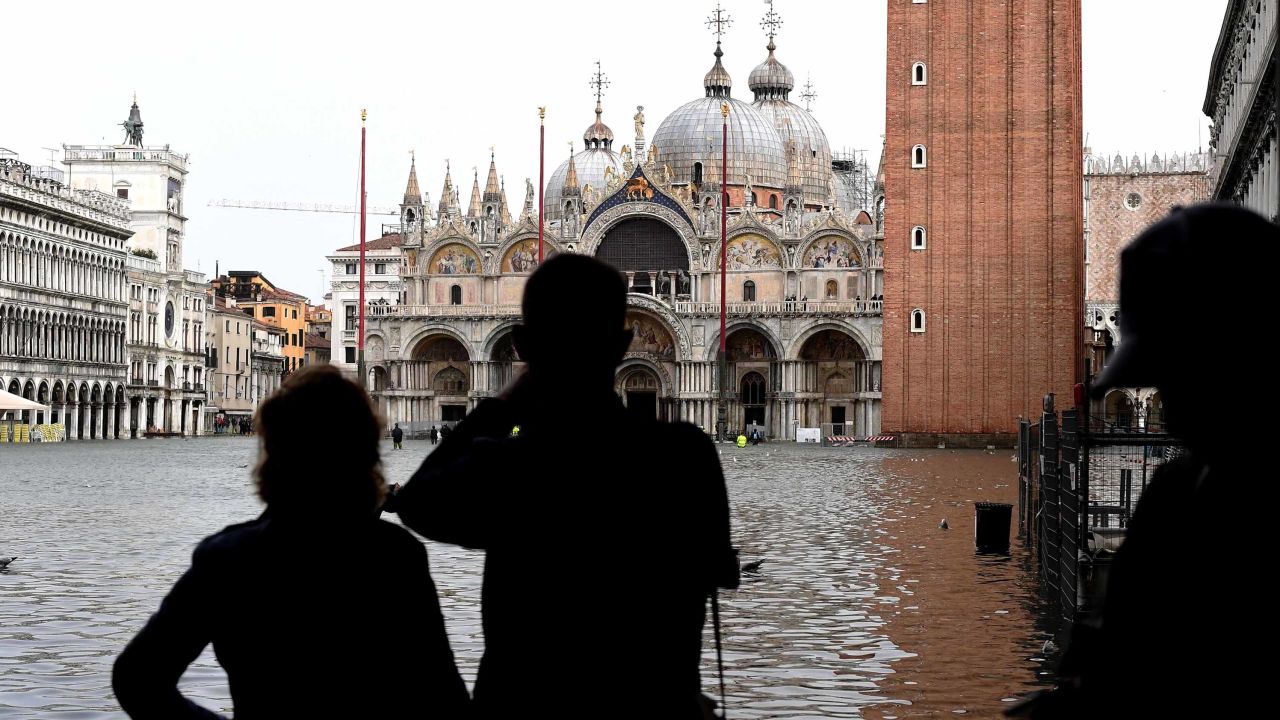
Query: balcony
point(191, 276)
point(111, 153)
point(186, 385)
point(787, 308)
point(135, 304)
point(153, 383)
point(136, 262)
point(153, 307)
point(135, 382)
point(198, 387)
point(404, 311)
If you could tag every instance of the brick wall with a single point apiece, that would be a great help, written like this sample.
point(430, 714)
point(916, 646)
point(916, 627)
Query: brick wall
point(1001, 277)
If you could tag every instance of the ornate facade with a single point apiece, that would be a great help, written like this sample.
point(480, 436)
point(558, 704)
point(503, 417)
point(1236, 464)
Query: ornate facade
point(804, 281)
point(62, 301)
point(1122, 198)
point(1243, 101)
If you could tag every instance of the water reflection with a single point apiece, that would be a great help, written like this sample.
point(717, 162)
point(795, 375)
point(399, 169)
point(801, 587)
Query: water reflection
point(863, 606)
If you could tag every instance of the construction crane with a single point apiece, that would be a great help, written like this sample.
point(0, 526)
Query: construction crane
point(302, 207)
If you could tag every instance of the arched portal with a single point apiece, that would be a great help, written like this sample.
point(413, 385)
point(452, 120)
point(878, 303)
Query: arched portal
point(641, 248)
point(754, 375)
point(640, 389)
point(504, 362)
point(834, 374)
point(440, 372)
point(1119, 415)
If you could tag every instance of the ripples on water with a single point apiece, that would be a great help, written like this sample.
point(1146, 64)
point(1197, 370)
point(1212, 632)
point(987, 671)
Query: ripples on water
point(864, 608)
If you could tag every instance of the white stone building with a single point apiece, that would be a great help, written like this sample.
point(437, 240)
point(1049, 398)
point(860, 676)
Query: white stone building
point(166, 304)
point(383, 262)
point(62, 301)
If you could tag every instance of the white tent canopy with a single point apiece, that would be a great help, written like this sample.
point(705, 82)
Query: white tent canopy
point(9, 401)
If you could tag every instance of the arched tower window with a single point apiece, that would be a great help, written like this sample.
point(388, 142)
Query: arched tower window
point(919, 75)
point(697, 173)
point(917, 320)
point(918, 156)
point(748, 291)
point(773, 201)
point(917, 237)
point(455, 295)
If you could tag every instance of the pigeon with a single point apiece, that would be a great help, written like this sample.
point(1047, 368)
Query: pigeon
point(943, 525)
point(4, 561)
point(1049, 647)
point(752, 567)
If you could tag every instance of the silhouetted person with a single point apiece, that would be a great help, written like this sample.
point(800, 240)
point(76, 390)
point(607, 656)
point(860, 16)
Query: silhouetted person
point(597, 567)
point(435, 435)
point(397, 436)
point(295, 602)
point(1183, 618)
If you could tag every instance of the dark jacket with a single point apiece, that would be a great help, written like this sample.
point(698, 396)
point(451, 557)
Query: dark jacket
point(297, 615)
point(603, 540)
point(1178, 631)
point(397, 434)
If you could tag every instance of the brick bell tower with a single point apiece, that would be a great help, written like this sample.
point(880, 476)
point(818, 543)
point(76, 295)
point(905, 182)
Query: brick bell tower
point(983, 226)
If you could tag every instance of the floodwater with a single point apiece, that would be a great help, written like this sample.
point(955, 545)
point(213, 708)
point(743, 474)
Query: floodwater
point(864, 606)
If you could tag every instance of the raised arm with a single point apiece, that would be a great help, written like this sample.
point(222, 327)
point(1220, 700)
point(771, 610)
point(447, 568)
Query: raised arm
point(451, 498)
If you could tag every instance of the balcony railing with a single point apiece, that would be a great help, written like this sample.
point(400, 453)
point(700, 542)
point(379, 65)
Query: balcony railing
point(153, 383)
point(137, 382)
point(198, 387)
point(194, 277)
point(788, 307)
point(137, 262)
point(794, 307)
point(117, 154)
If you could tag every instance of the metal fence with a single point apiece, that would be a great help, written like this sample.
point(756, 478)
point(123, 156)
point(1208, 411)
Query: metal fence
point(1079, 482)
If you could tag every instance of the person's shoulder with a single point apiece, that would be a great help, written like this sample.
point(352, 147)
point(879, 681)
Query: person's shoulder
point(231, 539)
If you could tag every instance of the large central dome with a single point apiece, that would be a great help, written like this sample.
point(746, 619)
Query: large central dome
point(690, 136)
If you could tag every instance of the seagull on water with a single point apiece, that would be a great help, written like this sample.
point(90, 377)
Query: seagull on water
point(943, 525)
point(753, 567)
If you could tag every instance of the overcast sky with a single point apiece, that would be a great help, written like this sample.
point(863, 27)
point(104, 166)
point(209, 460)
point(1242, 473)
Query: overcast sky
point(266, 96)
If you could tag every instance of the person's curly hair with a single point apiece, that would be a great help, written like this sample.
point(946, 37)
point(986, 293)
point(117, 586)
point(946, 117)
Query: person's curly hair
point(319, 446)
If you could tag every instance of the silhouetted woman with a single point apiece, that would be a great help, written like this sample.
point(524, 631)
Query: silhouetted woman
point(295, 602)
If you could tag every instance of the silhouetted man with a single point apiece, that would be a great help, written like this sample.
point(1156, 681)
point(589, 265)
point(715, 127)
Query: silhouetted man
point(598, 566)
point(397, 437)
point(1183, 617)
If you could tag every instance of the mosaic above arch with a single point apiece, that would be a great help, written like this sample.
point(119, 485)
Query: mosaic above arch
point(455, 259)
point(752, 252)
point(832, 251)
point(522, 257)
point(650, 336)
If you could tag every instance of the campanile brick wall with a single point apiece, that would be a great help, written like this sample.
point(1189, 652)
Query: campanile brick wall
point(1001, 278)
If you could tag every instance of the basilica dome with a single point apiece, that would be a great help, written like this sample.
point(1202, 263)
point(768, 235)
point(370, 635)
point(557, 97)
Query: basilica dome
point(771, 82)
point(690, 136)
point(589, 165)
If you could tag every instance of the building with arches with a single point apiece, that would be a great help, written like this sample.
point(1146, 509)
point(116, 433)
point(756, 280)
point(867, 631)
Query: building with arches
point(165, 336)
point(804, 276)
point(63, 309)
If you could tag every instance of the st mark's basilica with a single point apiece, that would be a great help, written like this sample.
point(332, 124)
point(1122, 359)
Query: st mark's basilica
point(805, 272)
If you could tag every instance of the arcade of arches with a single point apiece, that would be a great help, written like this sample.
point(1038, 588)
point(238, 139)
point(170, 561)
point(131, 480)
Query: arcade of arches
point(826, 380)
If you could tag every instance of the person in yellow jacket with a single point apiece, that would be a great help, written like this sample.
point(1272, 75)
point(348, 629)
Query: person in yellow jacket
point(742, 440)
point(515, 431)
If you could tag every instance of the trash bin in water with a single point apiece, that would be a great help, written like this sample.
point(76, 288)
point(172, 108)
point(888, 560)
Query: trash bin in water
point(991, 523)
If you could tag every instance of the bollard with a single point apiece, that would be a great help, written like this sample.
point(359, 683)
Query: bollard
point(991, 523)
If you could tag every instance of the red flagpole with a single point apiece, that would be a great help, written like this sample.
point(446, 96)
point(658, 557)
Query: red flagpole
point(542, 142)
point(724, 213)
point(360, 338)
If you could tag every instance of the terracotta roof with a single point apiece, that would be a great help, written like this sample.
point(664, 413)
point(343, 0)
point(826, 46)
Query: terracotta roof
point(315, 340)
point(386, 242)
